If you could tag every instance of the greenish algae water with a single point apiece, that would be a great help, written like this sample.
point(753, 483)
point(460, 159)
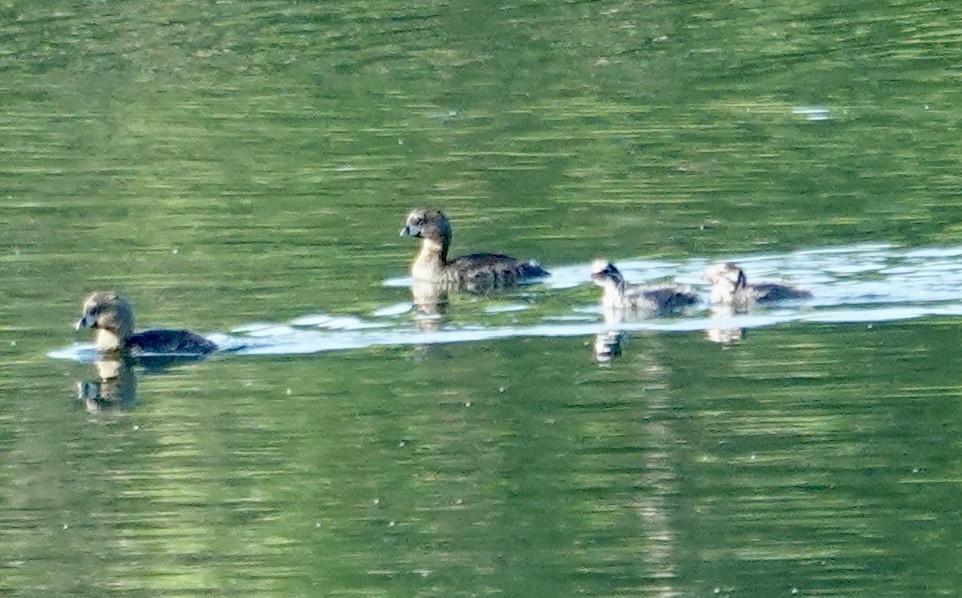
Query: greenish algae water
point(231, 164)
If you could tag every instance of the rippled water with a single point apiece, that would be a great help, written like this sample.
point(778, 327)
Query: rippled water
point(866, 283)
point(242, 169)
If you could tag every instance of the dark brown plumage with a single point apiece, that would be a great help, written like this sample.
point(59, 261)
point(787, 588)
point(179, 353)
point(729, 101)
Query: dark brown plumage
point(475, 272)
point(113, 319)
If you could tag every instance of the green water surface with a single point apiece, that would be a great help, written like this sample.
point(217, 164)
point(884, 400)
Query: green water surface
point(227, 163)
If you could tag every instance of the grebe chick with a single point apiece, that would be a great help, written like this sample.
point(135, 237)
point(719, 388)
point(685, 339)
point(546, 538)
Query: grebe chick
point(475, 272)
point(729, 286)
point(113, 319)
point(650, 301)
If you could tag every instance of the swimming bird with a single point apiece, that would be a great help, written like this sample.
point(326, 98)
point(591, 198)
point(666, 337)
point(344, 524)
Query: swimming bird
point(475, 272)
point(730, 287)
point(642, 301)
point(113, 319)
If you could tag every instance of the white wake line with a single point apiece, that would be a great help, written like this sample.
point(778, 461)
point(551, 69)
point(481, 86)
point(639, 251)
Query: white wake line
point(287, 340)
point(295, 341)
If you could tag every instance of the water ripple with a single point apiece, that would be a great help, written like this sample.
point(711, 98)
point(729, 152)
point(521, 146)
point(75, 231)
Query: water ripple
point(862, 283)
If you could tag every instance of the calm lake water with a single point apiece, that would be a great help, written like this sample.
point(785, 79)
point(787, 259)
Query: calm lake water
point(243, 169)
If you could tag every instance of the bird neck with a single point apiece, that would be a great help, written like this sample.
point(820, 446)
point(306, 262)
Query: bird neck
point(108, 340)
point(430, 260)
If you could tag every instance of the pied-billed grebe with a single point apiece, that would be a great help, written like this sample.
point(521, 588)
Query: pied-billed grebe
point(473, 272)
point(730, 287)
point(649, 302)
point(113, 319)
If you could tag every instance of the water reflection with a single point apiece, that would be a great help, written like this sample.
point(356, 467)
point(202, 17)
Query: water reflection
point(267, 142)
point(658, 467)
point(609, 345)
point(430, 304)
point(724, 335)
point(115, 388)
point(868, 283)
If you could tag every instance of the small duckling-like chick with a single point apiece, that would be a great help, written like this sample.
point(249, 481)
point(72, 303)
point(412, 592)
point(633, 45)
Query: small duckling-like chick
point(113, 319)
point(730, 287)
point(648, 302)
point(475, 272)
